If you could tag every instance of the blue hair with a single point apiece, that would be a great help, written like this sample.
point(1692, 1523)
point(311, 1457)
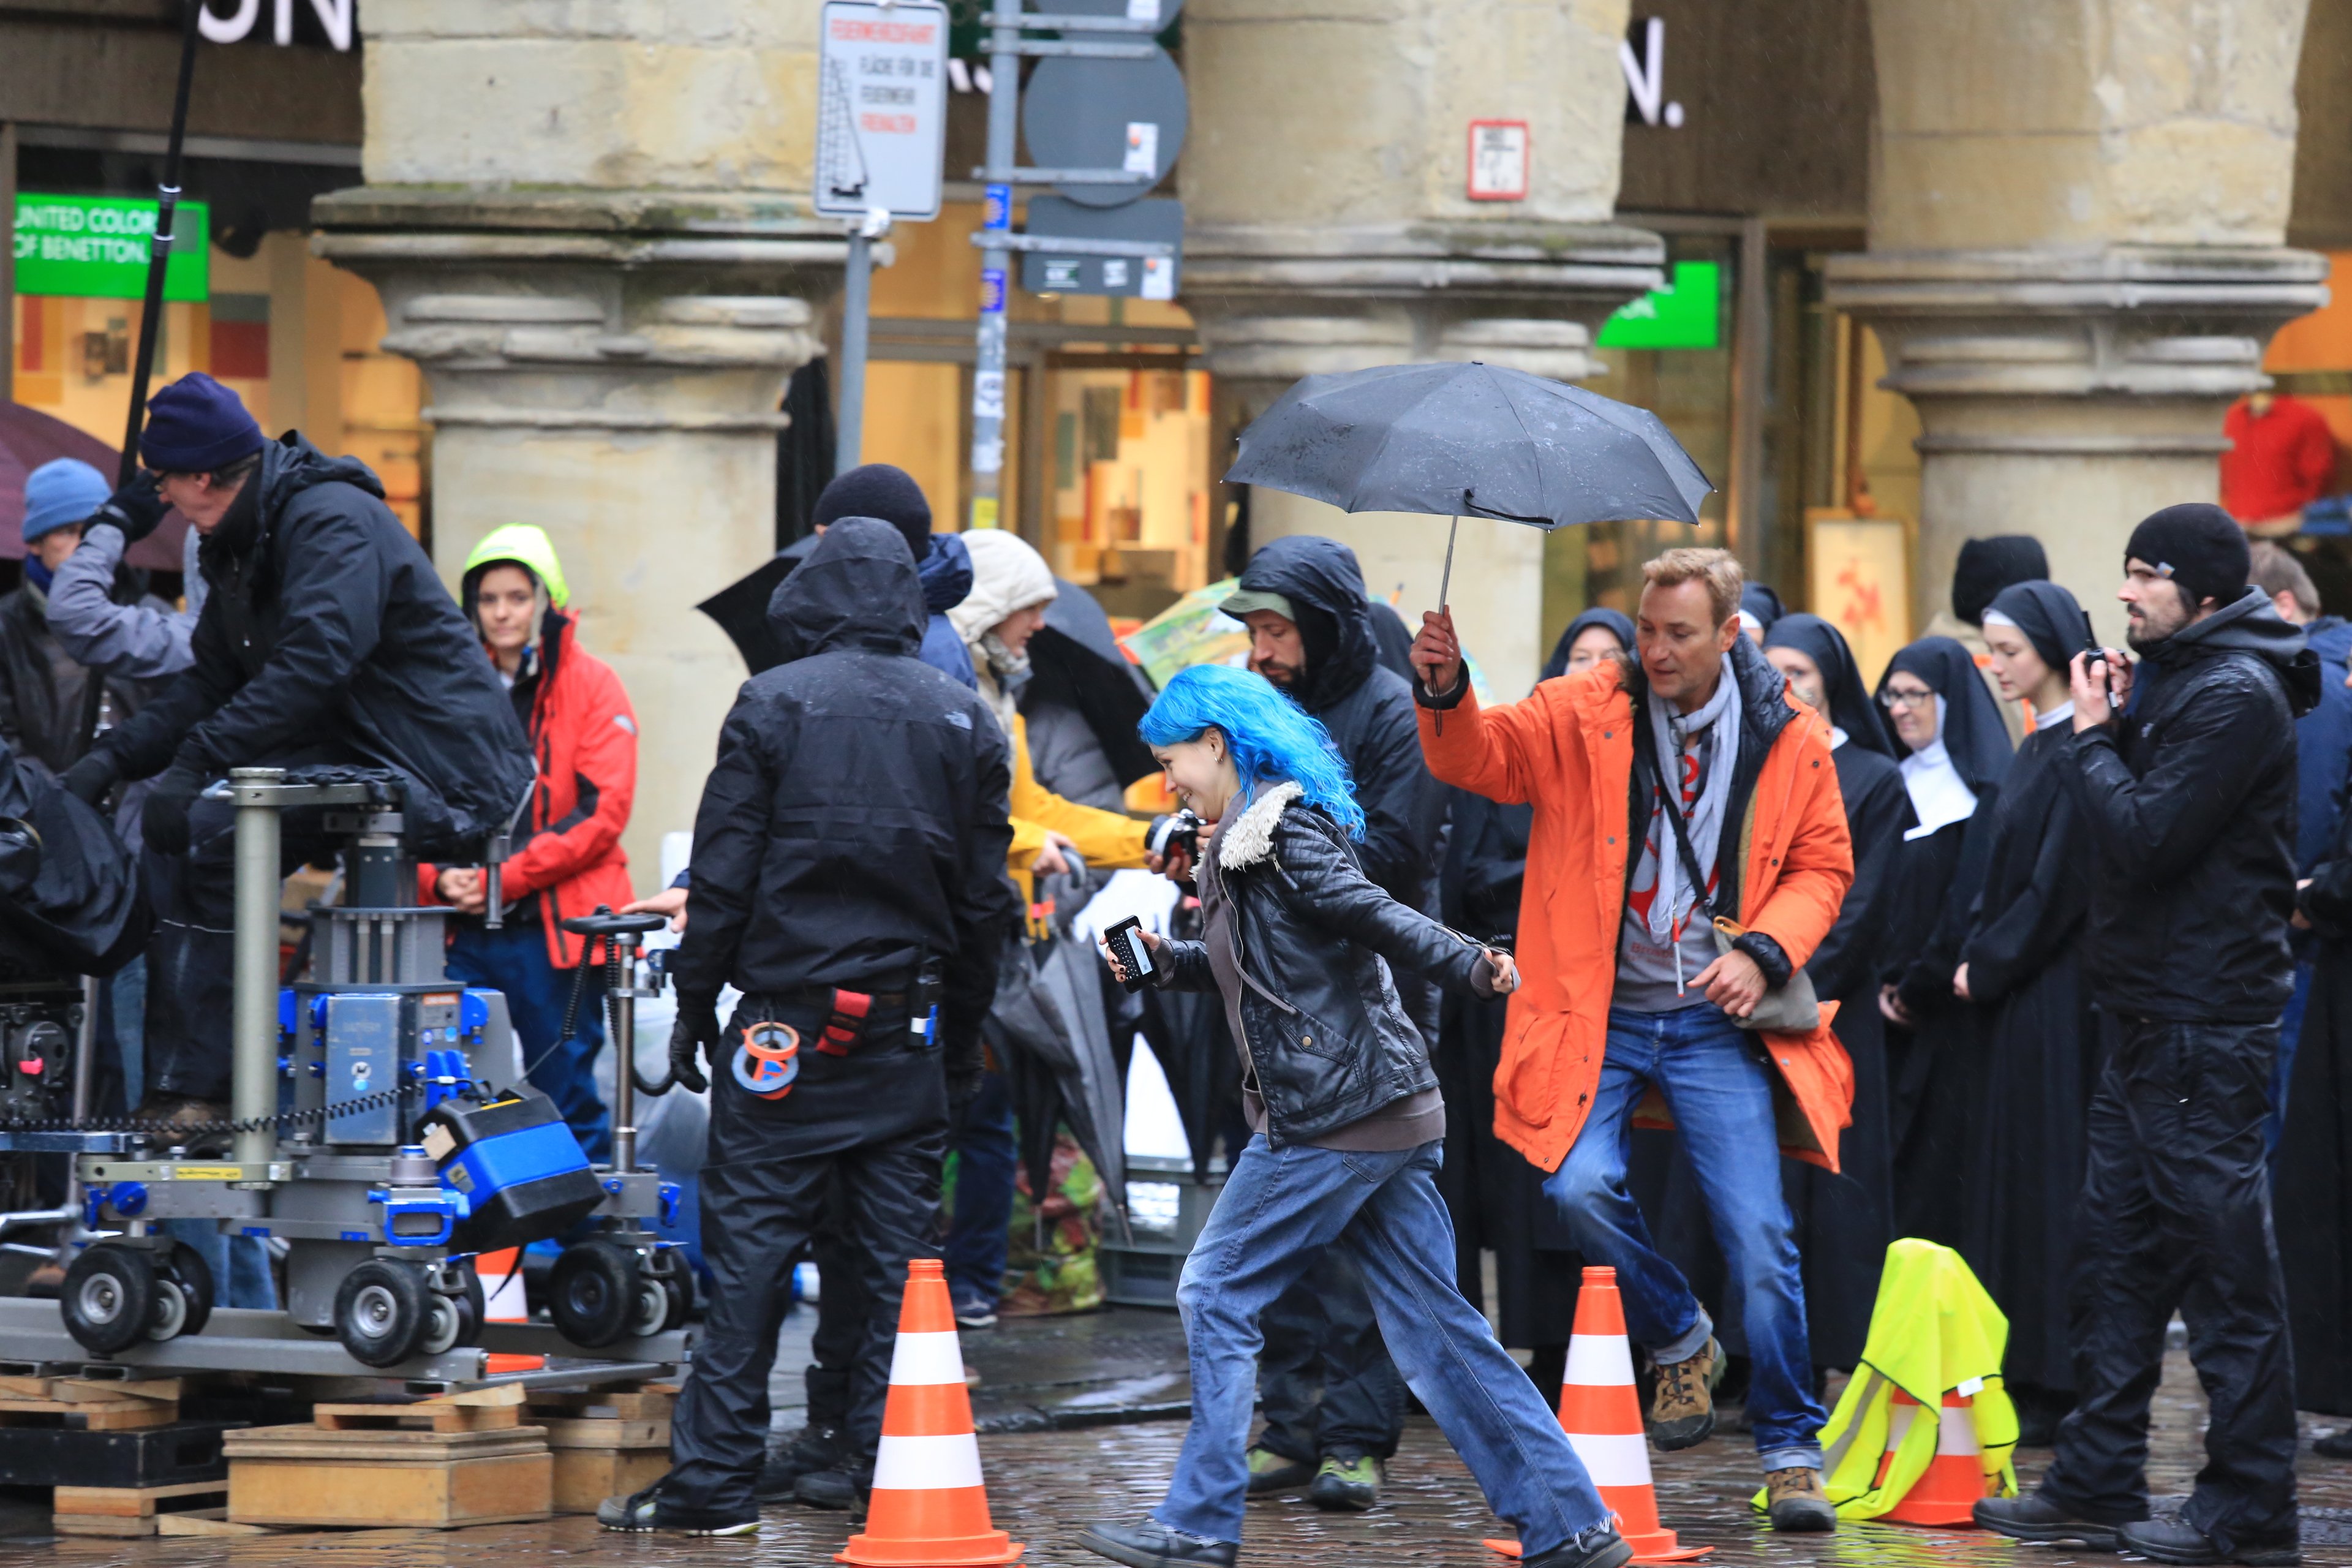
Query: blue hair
point(1272, 738)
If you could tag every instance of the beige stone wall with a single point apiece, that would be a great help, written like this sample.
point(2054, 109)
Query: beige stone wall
point(643, 94)
point(2078, 123)
point(1357, 112)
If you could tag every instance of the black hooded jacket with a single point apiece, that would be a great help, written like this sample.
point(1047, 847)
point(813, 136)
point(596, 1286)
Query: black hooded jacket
point(855, 821)
point(2190, 800)
point(1366, 706)
point(327, 627)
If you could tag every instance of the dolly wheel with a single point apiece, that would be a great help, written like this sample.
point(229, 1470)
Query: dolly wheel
point(596, 1293)
point(382, 1312)
point(668, 1264)
point(109, 1300)
point(194, 1279)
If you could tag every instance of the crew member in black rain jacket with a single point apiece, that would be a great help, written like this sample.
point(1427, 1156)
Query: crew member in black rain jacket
point(848, 877)
point(326, 637)
point(1312, 634)
point(2183, 769)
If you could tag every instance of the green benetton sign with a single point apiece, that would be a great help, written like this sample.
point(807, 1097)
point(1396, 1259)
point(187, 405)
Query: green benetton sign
point(1683, 316)
point(97, 248)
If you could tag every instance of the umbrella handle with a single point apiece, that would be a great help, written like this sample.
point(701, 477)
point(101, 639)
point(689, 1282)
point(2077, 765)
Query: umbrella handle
point(1444, 586)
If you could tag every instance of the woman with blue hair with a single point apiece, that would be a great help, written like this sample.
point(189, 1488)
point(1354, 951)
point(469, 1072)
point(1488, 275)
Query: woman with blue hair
point(1347, 1130)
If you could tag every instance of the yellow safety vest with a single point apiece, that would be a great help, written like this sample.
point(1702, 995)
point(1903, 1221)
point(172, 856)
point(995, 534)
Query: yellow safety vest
point(1933, 1331)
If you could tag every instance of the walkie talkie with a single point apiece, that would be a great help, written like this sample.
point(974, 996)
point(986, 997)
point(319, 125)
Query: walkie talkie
point(1134, 956)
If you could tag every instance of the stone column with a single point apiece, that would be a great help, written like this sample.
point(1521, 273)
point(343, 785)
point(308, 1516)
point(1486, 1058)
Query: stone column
point(1329, 228)
point(2077, 215)
point(590, 227)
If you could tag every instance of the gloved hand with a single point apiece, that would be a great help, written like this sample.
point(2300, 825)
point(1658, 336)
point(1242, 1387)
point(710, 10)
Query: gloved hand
point(136, 508)
point(963, 1087)
point(695, 1033)
point(89, 779)
point(164, 819)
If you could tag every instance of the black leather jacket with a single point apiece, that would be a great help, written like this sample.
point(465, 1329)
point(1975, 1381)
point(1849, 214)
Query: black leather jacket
point(1320, 1019)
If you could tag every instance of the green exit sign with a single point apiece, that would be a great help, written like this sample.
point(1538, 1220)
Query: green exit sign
point(98, 247)
point(1685, 315)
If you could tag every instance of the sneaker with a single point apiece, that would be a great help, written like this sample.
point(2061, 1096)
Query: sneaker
point(810, 1449)
point(2033, 1518)
point(837, 1488)
point(1794, 1502)
point(1346, 1483)
point(643, 1511)
point(2175, 1541)
point(2335, 1446)
point(1273, 1472)
point(975, 1313)
point(1682, 1409)
point(1598, 1547)
point(1152, 1544)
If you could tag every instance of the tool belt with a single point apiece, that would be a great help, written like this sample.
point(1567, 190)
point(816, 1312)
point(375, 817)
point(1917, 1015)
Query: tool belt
point(848, 1013)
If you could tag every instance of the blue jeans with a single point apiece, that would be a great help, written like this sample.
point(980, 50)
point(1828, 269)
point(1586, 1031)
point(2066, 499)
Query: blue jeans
point(1280, 1207)
point(513, 959)
point(987, 1161)
point(1719, 1091)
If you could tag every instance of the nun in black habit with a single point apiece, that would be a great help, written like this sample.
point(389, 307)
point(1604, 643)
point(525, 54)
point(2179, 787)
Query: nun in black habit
point(1845, 1220)
point(2021, 968)
point(1495, 1197)
point(1946, 731)
point(2314, 1180)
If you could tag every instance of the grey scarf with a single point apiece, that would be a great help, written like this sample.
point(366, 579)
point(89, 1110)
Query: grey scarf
point(1668, 730)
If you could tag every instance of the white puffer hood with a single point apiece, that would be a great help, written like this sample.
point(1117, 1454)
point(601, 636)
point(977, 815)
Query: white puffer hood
point(1007, 574)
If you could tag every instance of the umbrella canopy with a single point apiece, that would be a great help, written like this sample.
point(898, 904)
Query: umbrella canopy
point(740, 609)
point(1470, 440)
point(28, 438)
point(1078, 663)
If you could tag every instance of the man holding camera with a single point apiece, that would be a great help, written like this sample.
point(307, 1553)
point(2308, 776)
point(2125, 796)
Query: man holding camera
point(2185, 773)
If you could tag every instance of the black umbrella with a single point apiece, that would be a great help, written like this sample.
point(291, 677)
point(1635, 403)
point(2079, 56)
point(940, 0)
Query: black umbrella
point(1470, 440)
point(1078, 663)
point(740, 609)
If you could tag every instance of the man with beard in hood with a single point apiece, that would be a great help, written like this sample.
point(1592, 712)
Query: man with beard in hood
point(848, 880)
point(2187, 798)
point(1312, 634)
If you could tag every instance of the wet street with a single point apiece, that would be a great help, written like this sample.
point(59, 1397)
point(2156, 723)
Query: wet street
point(1076, 1426)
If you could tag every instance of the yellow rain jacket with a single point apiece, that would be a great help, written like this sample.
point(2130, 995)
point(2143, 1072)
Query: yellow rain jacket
point(1934, 1330)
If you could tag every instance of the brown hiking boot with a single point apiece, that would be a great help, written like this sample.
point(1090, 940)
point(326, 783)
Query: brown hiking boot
point(1794, 1502)
point(1681, 1406)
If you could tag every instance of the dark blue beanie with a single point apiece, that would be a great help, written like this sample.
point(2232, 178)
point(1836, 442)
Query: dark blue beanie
point(878, 490)
point(197, 425)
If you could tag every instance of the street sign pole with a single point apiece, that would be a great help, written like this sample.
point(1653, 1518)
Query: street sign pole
point(849, 424)
point(995, 266)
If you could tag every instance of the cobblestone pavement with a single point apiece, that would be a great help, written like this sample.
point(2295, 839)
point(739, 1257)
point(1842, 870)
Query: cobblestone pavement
point(1043, 1484)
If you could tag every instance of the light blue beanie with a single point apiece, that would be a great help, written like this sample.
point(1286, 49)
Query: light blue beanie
point(60, 493)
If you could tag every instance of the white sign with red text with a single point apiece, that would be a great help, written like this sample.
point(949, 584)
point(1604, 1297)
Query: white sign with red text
point(1498, 160)
point(882, 116)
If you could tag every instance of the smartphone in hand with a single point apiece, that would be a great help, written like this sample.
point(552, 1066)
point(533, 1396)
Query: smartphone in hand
point(1134, 955)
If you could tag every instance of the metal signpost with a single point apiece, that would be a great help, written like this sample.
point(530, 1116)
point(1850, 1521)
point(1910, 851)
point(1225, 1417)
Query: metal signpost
point(882, 124)
point(1109, 107)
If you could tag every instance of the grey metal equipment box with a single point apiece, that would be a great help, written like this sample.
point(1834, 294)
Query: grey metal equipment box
point(1165, 1211)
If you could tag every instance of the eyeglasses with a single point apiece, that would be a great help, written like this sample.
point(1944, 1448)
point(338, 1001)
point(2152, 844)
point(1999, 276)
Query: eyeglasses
point(1895, 697)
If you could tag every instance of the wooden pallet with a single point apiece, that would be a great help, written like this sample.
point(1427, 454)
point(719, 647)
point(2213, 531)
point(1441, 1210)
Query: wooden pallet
point(481, 1410)
point(607, 1442)
point(88, 1406)
point(128, 1510)
point(434, 1464)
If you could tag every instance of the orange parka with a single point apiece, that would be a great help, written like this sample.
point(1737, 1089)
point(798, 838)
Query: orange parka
point(1567, 750)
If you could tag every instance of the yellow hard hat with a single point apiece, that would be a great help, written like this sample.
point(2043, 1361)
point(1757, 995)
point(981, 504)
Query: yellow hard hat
point(526, 544)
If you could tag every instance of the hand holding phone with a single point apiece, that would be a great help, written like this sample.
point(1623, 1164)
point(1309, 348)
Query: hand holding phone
point(1131, 960)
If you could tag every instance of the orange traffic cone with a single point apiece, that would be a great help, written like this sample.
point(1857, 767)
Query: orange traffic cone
point(1947, 1493)
point(500, 1273)
point(928, 1506)
point(1600, 1411)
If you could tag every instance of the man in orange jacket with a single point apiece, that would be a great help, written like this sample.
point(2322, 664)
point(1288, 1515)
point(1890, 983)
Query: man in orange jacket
point(1626, 1000)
